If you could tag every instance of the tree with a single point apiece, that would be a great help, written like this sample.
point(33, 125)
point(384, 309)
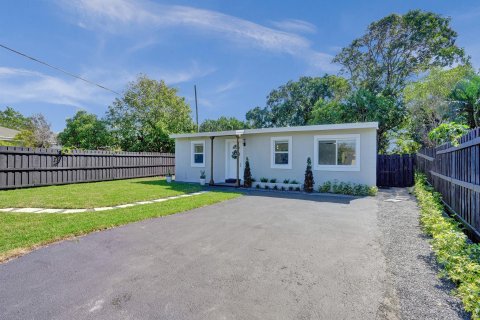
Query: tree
point(364, 106)
point(292, 104)
point(428, 101)
point(10, 118)
point(247, 175)
point(37, 133)
point(448, 132)
point(465, 101)
point(222, 124)
point(147, 113)
point(85, 131)
point(308, 182)
point(397, 47)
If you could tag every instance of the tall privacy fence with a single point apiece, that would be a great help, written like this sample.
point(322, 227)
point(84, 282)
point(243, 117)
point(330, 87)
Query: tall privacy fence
point(454, 171)
point(29, 167)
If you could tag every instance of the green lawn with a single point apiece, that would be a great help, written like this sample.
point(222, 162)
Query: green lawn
point(21, 232)
point(96, 194)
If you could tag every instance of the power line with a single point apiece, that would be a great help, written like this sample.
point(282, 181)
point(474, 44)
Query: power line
point(58, 69)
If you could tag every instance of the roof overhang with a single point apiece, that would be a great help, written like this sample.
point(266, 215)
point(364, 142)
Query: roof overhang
point(320, 127)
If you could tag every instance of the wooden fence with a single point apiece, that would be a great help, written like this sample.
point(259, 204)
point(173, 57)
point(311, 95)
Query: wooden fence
point(395, 170)
point(30, 167)
point(454, 171)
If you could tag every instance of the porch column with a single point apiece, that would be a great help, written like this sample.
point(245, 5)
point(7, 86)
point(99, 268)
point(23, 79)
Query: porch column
point(238, 163)
point(211, 162)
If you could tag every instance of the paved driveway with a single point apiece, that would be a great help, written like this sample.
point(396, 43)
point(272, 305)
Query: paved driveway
point(255, 257)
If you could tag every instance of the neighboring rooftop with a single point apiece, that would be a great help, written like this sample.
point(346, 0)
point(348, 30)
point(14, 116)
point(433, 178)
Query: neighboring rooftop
point(7, 133)
point(320, 127)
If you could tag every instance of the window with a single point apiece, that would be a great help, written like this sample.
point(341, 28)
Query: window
point(198, 154)
point(337, 153)
point(281, 152)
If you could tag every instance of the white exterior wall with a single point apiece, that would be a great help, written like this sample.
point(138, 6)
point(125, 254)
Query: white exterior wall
point(258, 150)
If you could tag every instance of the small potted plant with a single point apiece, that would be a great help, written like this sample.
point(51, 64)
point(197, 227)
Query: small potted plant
point(169, 176)
point(202, 177)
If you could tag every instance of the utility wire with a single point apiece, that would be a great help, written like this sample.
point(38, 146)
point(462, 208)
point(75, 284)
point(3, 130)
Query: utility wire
point(58, 69)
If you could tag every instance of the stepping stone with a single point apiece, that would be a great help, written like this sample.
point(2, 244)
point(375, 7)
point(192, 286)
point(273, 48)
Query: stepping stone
point(102, 208)
point(74, 210)
point(125, 205)
point(393, 200)
point(50, 211)
point(144, 202)
point(27, 210)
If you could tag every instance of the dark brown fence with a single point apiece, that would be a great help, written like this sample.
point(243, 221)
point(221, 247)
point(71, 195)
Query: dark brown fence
point(395, 170)
point(454, 171)
point(29, 167)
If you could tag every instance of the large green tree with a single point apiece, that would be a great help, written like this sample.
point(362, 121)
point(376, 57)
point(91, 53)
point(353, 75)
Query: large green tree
point(398, 47)
point(222, 124)
point(85, 131)
point(364, 106)
point(10, 118)
point(37, 133)
point(292, 104)
point(148, 111)
point(429, 102)
point(465, 101)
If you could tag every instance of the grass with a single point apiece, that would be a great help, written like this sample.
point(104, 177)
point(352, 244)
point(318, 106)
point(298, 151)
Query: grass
point(459, 257)
point(22, 232)
point(96, 194)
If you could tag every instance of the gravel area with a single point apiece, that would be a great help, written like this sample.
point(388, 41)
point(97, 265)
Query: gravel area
point(418, 292)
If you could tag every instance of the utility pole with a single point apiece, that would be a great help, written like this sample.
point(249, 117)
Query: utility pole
point(196, 106)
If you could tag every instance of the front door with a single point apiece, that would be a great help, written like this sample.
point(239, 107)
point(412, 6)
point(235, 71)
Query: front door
point(230, 161)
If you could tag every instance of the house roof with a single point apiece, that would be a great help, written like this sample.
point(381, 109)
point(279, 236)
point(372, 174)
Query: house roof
point(320, 127)
point(7, 133)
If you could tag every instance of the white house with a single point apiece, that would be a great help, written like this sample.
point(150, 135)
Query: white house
point(345, 152)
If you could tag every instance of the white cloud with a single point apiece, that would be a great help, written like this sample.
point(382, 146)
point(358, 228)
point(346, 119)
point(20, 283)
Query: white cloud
point(178, 76)
point(224, 87)
point(120, 16)
point(295, 25)
point(19, 85)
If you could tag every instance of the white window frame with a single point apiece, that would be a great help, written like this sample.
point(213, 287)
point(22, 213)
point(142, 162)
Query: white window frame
point(272, 152)
point(338, 137)
point(192, 154)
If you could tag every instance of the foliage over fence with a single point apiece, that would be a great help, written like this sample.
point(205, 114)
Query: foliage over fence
point(29, 167)
point(454, 171)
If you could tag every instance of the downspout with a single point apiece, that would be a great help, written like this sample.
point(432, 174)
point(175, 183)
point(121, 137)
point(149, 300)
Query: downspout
point(211, 161)
point(238, 163)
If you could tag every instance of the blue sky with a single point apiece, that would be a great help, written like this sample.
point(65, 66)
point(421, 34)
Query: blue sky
point(234, 51)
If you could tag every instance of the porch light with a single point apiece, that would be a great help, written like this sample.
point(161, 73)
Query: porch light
point(244, 142)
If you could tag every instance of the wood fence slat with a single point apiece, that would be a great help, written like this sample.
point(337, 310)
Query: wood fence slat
point(29, 167)
point(454, 172)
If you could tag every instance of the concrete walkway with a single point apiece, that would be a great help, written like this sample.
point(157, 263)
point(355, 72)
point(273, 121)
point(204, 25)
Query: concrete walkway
point(55, 210)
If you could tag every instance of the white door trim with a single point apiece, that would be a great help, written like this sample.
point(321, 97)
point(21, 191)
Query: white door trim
point(228, 155)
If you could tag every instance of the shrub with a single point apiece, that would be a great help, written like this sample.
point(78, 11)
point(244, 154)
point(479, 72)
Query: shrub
point(286, 181)
point(254, 180)
point(298, 189)
point(290, 188)
point(348, 188)
point(325, 187)
point(263, 180)
point(273, 180)
point(247, 175)
point(459, 258)
point(257, 186)
point(282, 188)
point(266, 187)
point(294, 182)
point(309, 182)
point(275, 187)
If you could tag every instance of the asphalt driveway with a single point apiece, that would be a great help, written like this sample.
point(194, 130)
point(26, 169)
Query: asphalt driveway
point(256, 257)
